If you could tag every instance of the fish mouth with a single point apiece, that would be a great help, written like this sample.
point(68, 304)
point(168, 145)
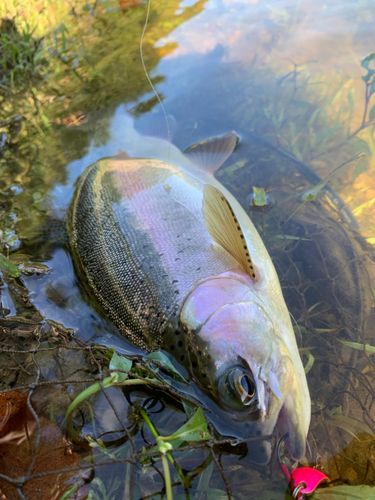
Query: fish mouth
point(290, 424)
point(258, 433)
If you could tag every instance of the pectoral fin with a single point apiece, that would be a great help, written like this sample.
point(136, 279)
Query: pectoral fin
point(212, 153)
point(222, 224)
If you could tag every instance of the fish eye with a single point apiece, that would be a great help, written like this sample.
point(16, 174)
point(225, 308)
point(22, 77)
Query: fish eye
point(237, 388)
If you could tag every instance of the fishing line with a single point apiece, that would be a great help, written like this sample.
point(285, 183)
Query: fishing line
point(149, 79)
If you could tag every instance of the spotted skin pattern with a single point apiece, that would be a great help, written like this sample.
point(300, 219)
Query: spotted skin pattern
point(140, 245)
point(141, 248)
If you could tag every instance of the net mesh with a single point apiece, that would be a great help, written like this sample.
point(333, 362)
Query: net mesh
point(327, 275)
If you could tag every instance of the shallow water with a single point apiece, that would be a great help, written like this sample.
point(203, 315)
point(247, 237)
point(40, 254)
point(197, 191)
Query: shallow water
point(288, 73)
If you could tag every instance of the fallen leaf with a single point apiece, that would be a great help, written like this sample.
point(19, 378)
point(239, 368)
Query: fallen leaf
point(18, 436)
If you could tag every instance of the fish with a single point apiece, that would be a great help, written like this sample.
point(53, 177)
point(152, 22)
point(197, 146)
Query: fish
point(175, 263)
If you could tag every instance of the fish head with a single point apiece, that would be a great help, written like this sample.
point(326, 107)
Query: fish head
point(245, 364)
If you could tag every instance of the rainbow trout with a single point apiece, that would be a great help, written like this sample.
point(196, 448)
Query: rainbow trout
point(176, 264)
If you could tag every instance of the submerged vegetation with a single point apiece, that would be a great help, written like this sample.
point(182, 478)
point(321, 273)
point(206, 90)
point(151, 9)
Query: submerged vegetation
point(64, 67)
point(322, 129)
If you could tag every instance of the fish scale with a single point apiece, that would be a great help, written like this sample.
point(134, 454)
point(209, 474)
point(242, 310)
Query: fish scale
point(175, 263)
point(133, 264)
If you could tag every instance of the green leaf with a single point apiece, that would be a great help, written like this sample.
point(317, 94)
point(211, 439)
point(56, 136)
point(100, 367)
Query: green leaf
point(309, 196)
point(45, 119)
point(210, 494)
point(120, 363)
point(356, 425)
point(313, 117)
point(361, 145)
point(69, 492)
point(275, 495)
point(361, 208)
point(310, 309)
point(215, 494)
point(301, 104)
point(324, 135)
point(360, 167)
point(290, 237)
point(98, 482)
point(195, 429)
point(351, 99)
point(372, 112)
point(107, 354)
point(281, 12)
point(161, 358)
point(360, 347)
point(189, 408)
point(312, 193)
point(279, 81)
point(365, 64)
point(345, 492)
point(344, 426)
point(7, 266)
point(259, 199)
point(267, 112)
point(204, 481)
point(366, 61)
point(337, 94)
point(310, 362)
point(232, 168)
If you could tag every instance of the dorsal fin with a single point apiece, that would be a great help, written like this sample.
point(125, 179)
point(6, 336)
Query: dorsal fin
point(212, 153)
point(222, 224)
point(121, 155)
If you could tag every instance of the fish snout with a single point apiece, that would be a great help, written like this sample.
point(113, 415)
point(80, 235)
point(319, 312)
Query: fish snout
point(253, 371)
point(283, 405)
point(292, 422)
